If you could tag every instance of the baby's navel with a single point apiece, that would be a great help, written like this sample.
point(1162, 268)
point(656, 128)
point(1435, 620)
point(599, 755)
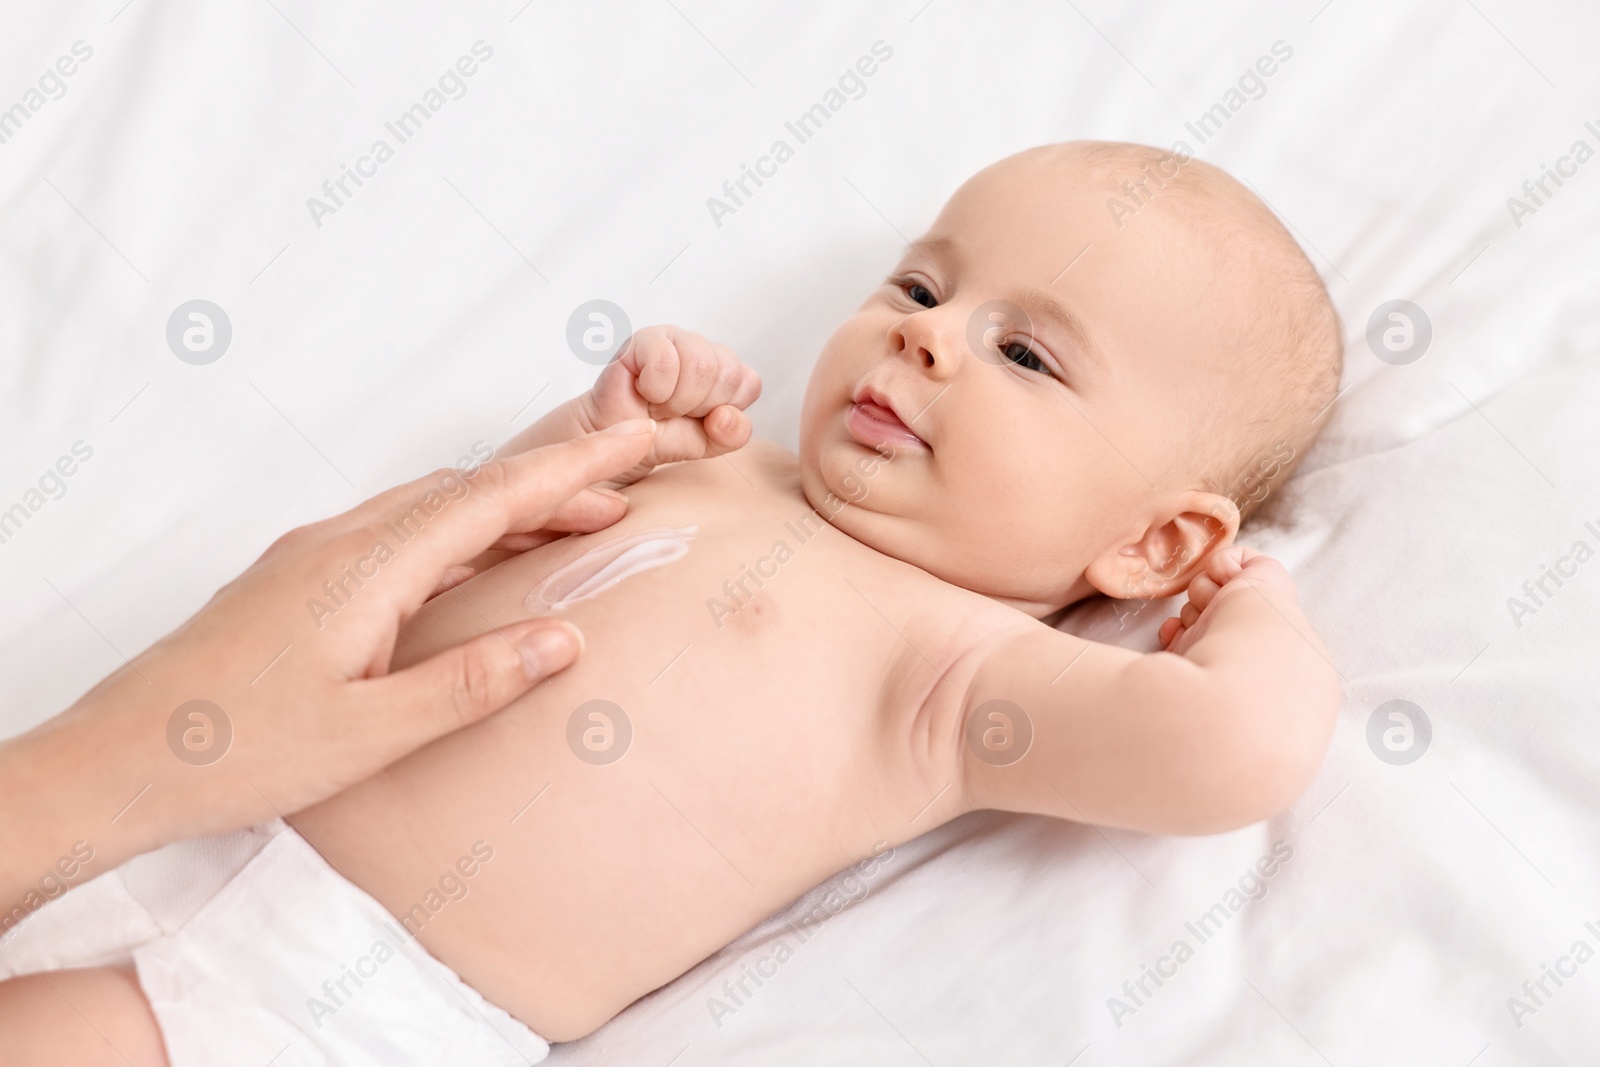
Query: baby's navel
point(604, 565)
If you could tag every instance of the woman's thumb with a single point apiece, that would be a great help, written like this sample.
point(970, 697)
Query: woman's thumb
point(463, 684)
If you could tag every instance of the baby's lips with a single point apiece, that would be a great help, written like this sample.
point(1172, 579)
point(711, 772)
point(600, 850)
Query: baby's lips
point(874, 423)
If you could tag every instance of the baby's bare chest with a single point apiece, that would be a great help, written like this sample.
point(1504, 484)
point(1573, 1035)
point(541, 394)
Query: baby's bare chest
point(733, 638)
point(759, 704)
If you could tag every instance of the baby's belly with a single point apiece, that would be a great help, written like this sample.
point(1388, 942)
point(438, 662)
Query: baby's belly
point(696, 770)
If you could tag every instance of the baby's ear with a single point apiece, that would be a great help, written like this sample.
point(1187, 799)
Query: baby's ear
point(1167, 555)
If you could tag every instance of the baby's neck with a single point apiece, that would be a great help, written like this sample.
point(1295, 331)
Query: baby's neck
point(1039, 609)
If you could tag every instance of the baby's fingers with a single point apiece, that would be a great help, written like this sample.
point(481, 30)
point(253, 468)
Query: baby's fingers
point(726, 428)
point(733, 383)
point(653, 358)
point(1254, 565)
point(1225, 565)
point(709, 376)
point(1170, 631)
point(1201, 590)
point(748, 390)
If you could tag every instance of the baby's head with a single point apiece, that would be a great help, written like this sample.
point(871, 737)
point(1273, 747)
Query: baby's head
point(1086, 373)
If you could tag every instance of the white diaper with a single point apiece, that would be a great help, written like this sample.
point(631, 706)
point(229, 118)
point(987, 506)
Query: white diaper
point(269, 955)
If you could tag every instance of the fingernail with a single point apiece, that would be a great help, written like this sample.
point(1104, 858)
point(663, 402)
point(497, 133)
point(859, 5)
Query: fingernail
point(602, 490)
point(548, 649)
point(577, 635)
point(632, 426)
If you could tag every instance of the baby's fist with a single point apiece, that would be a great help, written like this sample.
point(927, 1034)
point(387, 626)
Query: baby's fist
point(696, 391)
point(1235, 567)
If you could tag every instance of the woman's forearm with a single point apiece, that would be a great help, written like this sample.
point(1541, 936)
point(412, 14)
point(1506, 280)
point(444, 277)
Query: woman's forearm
point(65, 814)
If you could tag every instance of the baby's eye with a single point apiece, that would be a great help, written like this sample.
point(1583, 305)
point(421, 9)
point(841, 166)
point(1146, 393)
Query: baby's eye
point(1023, 356)
point(920, 294)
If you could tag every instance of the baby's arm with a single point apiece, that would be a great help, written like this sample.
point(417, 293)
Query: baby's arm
point(1225, 728)
point(696, 391)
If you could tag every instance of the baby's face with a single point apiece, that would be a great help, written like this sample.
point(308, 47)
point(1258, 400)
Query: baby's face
point(1020, 459)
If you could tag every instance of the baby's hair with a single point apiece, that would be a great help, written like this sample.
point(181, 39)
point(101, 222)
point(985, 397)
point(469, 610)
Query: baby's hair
point(1258, 422)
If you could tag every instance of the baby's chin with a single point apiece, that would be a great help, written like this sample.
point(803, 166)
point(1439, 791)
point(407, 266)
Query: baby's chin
point(845, 502)
point(826, 498)
point(907, 541)
point(838, 500)
point(838, 481)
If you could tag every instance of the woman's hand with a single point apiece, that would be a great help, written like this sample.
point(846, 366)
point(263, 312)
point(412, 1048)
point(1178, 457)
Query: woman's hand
point(277, 694)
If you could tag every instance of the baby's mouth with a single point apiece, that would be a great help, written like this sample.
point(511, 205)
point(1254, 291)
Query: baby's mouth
point(874, 424)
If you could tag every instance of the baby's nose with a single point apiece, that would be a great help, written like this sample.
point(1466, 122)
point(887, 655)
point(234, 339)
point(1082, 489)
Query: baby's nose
point(925, 346)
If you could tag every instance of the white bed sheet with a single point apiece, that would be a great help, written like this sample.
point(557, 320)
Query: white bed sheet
point(429, 313)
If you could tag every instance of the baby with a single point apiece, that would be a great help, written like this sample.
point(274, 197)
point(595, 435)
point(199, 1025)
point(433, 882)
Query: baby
point(795, 663)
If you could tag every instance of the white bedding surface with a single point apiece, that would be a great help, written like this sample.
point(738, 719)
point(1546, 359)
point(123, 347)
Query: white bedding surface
point(429, 313)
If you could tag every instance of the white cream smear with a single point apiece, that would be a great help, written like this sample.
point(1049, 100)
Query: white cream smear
point(606, 564)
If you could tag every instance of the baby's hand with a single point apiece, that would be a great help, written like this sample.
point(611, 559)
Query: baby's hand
point(695, 390)
point(1235, 566)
